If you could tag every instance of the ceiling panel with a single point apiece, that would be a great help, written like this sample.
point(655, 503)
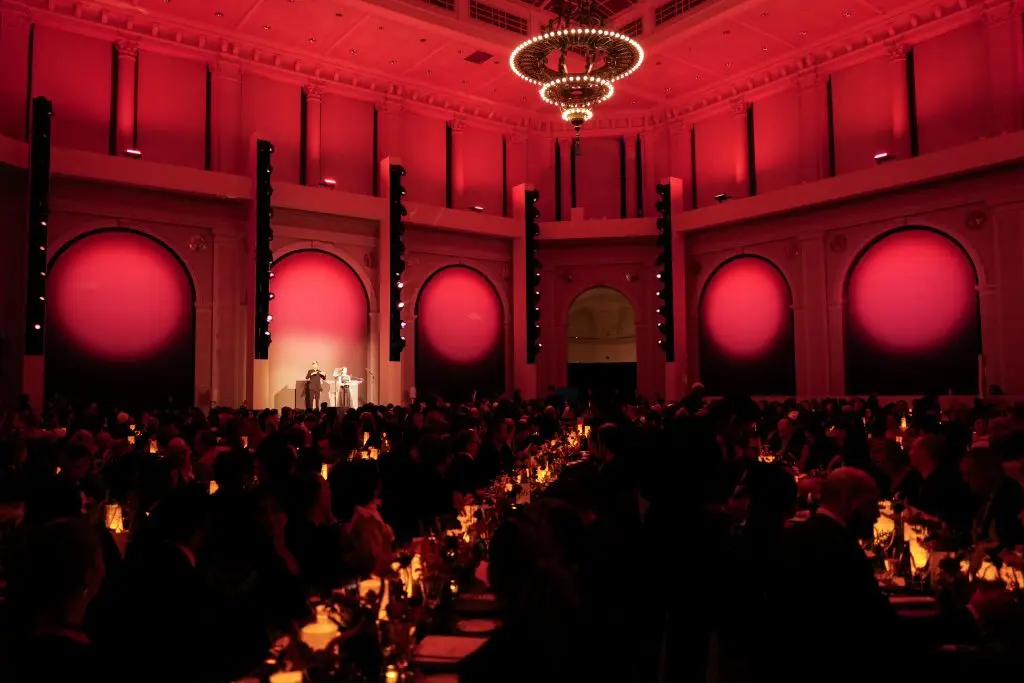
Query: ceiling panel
point(385, 45)
point(316, 27)
point(727, 48)
point(231, 12)
point(804, 21)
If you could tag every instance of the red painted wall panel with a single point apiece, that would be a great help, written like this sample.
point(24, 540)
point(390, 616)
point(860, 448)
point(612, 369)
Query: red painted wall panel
point(272, 111)
point(423, 155)
point(598, 185)
point(721, 157)
point(483, 171)
point(172, 109)
point(862, 113)
point(346, 129)
point(75, 72)
point(953, 98)
point(777, 140)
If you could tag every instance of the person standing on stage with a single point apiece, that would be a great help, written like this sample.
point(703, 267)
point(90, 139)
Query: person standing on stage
point(314, 379)
point(344, 389)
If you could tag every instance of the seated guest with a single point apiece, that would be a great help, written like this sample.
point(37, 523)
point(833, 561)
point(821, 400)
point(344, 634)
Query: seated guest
point(538, 610)
point(826, 598)
point(312, 536)
point(464, 474)
point(55, 572)
point(943, 493)
point(788, 440)
point(369, 537)
point(997, 523)
point(896, 479)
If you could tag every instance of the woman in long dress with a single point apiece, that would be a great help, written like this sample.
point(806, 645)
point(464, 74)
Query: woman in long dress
point(345, 389)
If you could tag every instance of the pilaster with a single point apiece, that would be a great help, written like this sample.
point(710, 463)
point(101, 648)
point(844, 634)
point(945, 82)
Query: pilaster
point(127, 58)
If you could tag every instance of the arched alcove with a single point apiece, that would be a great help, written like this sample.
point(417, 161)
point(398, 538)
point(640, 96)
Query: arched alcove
point(911, 316)
point(120, 321)
point(746, 329)
point(460, 343)
point(601, 339)
point(321, 312)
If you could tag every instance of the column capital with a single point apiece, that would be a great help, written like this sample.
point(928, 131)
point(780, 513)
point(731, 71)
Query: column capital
point(809, 79)
point(391, 106)
point(14, 22)
point(738, 107)
point(678, 128)
point(228, 69)
point(897, 52)
point(313, 91)
point(516, 138)
point(458, 124)
point(127, 48)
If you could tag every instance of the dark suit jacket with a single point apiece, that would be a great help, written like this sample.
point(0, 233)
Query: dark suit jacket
point(832, 620)
point(315, 377)
point(999, 517)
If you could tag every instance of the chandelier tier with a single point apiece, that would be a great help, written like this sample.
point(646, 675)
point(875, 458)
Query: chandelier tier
point(606, 57)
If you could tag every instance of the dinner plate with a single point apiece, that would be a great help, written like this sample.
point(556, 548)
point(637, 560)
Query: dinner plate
point(477, 626)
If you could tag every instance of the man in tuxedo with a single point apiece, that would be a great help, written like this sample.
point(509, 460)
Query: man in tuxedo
point(314, 379)
point(831, 618)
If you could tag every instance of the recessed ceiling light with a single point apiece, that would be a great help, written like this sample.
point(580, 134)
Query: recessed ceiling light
point(764, 14)
point(429, 72)
point(218, 13)
point(634, 102)
point(393, 62)
point(312, 39)
point(352, 50)
point(697, 77)
point(339, 15)
point(764, 48)
point(465, 82)
point(847, 13)
point(266, 27)
point(668, 91)
point(380, 28)
point(658, 63)
point(522, 99)
point(803, 34)
point(726, 32)
point(423, 40)
point(728, 65)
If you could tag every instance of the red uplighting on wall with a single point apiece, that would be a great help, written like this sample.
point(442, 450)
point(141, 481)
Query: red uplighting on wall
point(459, 315)
point(745, 307)
point(320, 313)
point(912, 291)
point(118, 296)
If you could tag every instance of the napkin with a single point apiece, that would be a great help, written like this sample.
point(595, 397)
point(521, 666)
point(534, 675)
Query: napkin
point(442, 649)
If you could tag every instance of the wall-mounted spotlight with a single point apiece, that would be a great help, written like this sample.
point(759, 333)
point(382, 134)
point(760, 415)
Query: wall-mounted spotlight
point(883, 157)
point(133, 153)
point(329, 183)
point(722, 197)
point(477, 208)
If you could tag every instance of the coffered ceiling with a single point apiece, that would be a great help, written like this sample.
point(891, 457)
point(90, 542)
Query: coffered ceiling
point(697, 51)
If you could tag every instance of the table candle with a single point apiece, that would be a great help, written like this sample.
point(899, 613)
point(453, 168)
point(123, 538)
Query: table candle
point(391, 674)
point(286, 677)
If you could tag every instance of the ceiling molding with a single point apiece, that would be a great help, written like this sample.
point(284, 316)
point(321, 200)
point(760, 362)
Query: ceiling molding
point(357, 82)
point(833, 56)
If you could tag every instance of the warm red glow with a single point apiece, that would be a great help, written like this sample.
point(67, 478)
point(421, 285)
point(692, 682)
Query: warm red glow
point(911, 291)
point(320, 313)
point(459, 315)
point(745, 307)
point(118, 296)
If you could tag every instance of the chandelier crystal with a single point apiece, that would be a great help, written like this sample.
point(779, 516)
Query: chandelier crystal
point(590, 58)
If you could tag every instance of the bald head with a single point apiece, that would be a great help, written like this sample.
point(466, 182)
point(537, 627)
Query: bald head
point(852, 495)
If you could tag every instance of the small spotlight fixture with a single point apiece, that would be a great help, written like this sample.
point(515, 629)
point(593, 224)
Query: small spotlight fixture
point(477, 208)
point(329, 183)
point(133, 153)
point(883, 157)
point(722, 197)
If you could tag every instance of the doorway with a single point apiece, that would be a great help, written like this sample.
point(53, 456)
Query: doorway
point(601, 330)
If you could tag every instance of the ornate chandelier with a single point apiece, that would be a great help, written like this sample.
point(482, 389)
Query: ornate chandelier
point(599, 57)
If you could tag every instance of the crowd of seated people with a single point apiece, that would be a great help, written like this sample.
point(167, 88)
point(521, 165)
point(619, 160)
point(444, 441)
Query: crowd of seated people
point(669, 555)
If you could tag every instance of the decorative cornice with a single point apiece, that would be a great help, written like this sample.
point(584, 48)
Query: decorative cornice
point(227, 69)
point(348, 79)
point(999, 11)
